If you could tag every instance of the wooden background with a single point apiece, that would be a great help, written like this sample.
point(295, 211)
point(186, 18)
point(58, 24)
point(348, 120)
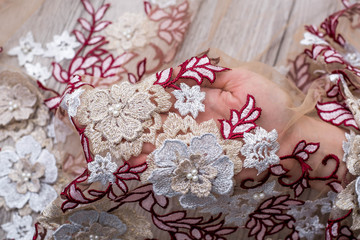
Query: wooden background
point(246, 30)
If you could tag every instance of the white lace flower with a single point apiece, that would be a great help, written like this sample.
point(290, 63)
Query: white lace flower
point(163, 3)
point(195, 172)
point(71, 102)
point(20, 228)
point(38, 72)
point(130, 31)
point(260, 149)
point(62, 47)
point(353, 58)
point(189, 100)
point(27, 49)
point(102, 169)
point(310, 39)
point(25, 175)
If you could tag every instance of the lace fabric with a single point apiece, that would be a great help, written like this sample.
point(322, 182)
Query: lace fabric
point(147, 165)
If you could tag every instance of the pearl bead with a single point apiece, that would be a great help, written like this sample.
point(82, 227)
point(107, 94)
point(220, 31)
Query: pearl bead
point(256, 196)
point(23, 174)
point(195, 178)
point(26, 179)
point(111, 109)
point(116, 113)
point(194, 172)
point(117, 106)
point(28, 175)
point(262, 195)
point(189, 176)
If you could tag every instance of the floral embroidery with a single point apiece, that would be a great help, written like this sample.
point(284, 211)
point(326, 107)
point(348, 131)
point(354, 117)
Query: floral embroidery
point(118, 112)
point(127, 112)
point(38, 72)
point(71, 101)
point(90, 224)
point(20, 228)
point(240, 121)
point(260, 149)
point(16, 102)
point(27, 49)
point(189, 100)
point(62, 47)
point(184, 129)
point(130, 31)
point(102, 169)
point(26, 174)
point(195, 172)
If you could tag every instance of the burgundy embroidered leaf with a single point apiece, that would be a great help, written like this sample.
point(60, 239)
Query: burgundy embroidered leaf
point(240, 121)
point(336, 114)
point(101, 12)
point(196, 68)
point(101, 26)
point(89, 8)
point(299, 73)
point(270, 217)
point(85, 24)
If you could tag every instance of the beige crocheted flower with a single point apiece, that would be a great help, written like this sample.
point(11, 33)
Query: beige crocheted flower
point(26, 104)
point(130, 31)
point(347, 199)
point(122, 118)
point(16, 102)
point(27, 175)
point(187, 170)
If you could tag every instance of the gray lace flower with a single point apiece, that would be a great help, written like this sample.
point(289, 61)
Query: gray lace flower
point(90, 224)
point(195, 172)
point(260, 149)
point(102, 169)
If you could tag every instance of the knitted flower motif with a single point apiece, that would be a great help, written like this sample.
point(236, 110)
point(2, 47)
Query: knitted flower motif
point(189, 100)
point(25, 175)
point(260, 149)
point(62, 47)
point(27, 49)
point(20, 228)
point(16, 102)
point(130, 31)
point(93, 225)
point(102, 169)
point(195, 172)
